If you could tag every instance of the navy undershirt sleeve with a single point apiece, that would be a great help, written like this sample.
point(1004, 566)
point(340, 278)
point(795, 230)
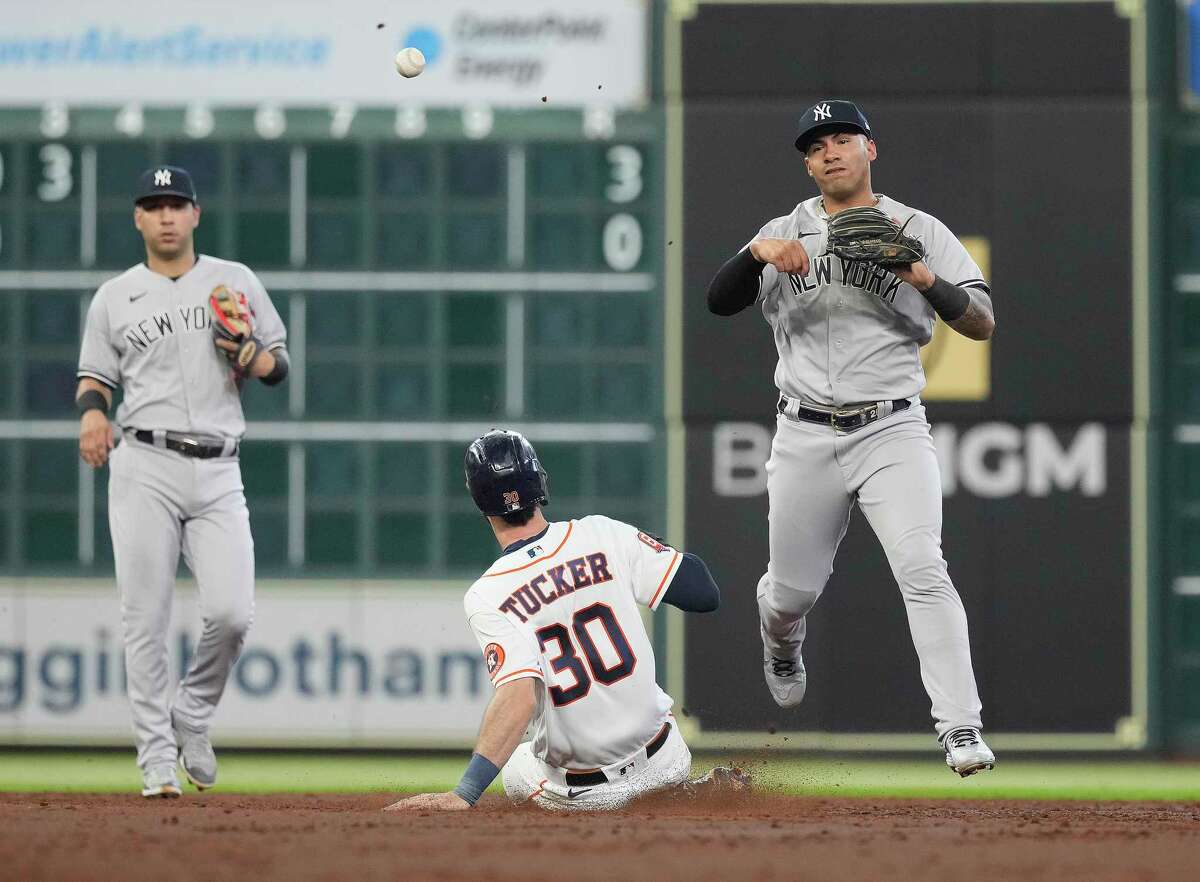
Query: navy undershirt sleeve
point(693, 589)
point(735, 286)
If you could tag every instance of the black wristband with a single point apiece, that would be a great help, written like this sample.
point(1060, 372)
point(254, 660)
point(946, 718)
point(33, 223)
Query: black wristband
point(948, 301)
point(91, 400)
point(277, 373)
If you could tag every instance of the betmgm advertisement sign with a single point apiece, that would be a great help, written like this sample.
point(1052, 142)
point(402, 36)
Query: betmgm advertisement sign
point(324, 664)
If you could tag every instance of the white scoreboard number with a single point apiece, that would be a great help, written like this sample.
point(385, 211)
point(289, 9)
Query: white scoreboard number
point(622, 239)
point(57, 173)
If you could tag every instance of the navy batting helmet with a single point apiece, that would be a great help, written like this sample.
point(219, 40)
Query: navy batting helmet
point(503, 473)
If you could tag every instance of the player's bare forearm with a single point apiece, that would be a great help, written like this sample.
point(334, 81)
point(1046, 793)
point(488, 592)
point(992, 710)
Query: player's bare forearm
point(87, 384)
point(977, 322)
point(504, 722)
point(506, 719)
point(95, 431)
point(263, 365)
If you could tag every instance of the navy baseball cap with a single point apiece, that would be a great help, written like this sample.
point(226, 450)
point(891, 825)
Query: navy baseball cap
point(165, 180)
point(830, 116)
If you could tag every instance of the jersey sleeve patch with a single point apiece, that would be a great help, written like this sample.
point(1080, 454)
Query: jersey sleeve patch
point(652, 542)
point(493, 657)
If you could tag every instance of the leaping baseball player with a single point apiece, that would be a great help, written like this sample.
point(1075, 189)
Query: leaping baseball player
point(557, 619)
point(174, 483)
point(850, 283)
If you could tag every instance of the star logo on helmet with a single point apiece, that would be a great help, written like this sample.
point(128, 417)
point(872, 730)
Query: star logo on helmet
point(162, 177)
point(821, 111)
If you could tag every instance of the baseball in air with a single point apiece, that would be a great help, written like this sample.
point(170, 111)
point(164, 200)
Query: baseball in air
point(410, 62)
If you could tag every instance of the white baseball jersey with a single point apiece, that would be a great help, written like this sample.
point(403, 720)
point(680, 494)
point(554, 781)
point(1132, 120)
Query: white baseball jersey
point(564, 609)
point(150, 335)
point(850, 332)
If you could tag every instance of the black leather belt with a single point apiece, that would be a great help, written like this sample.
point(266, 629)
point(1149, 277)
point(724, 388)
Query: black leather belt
point(591, 779)
point(200, 448)
point(844, 420)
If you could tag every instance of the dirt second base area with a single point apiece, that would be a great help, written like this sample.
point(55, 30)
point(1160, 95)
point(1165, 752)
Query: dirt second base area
point(332, 837)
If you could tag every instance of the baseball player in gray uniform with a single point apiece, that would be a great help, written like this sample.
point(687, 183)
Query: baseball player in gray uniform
point(850, 426)
point(174, 482)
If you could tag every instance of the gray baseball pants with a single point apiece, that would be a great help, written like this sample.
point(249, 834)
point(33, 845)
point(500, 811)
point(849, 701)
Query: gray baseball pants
point(161, 503)
point(890, 469)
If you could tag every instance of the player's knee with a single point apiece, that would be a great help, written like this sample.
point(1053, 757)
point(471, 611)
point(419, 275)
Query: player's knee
point(789, 600)
point(231, 620)
point(919, 566)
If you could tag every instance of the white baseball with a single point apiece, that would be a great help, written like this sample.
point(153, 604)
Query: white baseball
point(410, 62)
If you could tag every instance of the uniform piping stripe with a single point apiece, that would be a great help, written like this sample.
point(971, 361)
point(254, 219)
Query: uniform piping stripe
point(538, 560)
point(112, 384)
point(515, 674)
point(663, 583)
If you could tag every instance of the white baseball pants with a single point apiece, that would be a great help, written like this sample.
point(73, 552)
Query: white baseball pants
point(527, 779)
point(890, 469)
point(161, 503)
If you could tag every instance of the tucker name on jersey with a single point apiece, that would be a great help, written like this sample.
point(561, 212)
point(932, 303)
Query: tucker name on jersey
point(544, 589)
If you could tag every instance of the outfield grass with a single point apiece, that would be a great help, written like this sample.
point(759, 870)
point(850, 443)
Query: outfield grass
point(34, 771)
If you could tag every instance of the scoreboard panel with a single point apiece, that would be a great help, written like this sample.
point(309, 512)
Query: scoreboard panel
point(439, 271)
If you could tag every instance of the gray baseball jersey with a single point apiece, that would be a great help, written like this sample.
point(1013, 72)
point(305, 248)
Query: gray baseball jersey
point(849, 332)
point(151, 335)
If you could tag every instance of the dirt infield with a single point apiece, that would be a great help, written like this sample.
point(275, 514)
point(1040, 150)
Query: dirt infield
point(80, 836)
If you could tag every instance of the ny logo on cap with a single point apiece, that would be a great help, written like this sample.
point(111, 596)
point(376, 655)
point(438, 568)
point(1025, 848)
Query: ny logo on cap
point(821, 111)
point(162, 177)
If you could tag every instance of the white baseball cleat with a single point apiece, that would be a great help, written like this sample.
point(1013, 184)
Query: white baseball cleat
point(196, 756)
point(966, 751)
point(784, 674)
point(160, 780)
point(786, 679)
